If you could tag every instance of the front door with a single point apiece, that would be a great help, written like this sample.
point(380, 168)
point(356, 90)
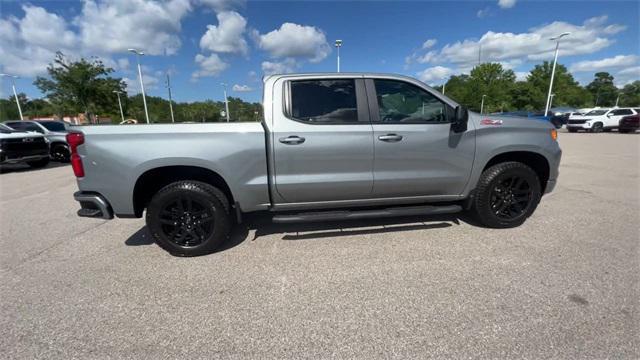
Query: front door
point(323, 142)
point(416, 153)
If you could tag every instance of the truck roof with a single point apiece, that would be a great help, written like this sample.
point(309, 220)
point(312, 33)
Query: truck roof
point(340, 74)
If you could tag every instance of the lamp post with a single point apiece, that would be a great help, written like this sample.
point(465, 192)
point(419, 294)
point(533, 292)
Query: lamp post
point(482, 104)
point(550, 102)
point(170, 101)
point(226, 102)
point(338, 45)
point(119, 104)
point(617, 99)
point(15, 94)
point(144, 98)
point(553, 71)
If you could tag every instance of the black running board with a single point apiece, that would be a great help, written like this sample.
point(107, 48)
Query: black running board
point(366, 214)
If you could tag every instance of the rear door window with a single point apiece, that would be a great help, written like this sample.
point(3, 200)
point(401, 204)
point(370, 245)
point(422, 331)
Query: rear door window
point(324, 101)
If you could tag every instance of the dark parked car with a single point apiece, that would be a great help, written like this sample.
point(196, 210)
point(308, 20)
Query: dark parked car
point(54, 131)
point(629, 123)
point(21, 147)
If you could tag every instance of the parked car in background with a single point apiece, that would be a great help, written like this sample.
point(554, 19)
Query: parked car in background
point(54, 131)
point(331, 147)
point(23, 147)
point(599, 120)
point(556, 121)
point(630, 123)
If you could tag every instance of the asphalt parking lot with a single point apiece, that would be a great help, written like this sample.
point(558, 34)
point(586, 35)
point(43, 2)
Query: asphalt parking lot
point(563, 285)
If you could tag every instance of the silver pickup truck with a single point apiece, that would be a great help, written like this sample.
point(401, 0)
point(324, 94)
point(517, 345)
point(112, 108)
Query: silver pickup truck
point(330, 147)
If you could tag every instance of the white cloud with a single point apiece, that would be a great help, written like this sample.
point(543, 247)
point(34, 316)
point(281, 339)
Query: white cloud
point(627, 76)
point(592, 36)
point(210, 65)
point(482, 13)
point(242, 88)
point(27, 46)
point(295, 41)
point(506, 4)
point(606, 64)
point(222, 5)
point(435, 74)
point(227, 37)
point(123, 64)
point(289, 65)
point(521, 75)
point(429, 43)
point(113, 26)
point(151, 81)
point(253, 76)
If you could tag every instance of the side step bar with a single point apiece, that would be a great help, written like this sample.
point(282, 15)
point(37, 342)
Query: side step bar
point(366, 214)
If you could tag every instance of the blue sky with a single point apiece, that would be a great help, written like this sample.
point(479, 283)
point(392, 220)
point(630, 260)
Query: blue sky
point(202, 43)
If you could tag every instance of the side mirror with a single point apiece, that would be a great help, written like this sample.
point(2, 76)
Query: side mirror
point(609, 114)
point(460, 119)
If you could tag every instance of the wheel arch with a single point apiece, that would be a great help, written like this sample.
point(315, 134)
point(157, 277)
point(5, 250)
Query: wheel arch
point(534, 160)
point(152, 180)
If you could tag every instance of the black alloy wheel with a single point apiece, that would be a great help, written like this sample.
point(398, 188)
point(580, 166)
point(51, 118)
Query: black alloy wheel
point(187, 221)
point(189, 218)
point(506, 195)
point(511, 197)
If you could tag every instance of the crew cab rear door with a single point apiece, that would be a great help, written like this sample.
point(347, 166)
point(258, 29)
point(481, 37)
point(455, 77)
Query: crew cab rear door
point(416, 153)
point(322, 141)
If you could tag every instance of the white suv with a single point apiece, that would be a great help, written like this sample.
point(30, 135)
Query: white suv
point(598, 120)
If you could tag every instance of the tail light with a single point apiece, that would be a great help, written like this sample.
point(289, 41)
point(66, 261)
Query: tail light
point(74, 139)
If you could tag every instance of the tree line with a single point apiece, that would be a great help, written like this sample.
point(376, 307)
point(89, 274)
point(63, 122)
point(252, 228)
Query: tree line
point(504, 93)
point(86, 86)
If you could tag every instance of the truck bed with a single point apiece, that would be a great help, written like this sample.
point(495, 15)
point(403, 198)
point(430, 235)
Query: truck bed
point(115, 156)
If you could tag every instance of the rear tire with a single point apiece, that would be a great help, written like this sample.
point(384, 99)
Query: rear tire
point(506, 195)
point(189, 218)
point(624, 131)
point(39, 163)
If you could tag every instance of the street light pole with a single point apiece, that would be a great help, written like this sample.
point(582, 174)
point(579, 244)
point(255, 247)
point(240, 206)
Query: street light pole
point(119, 104)
point(15, 94)
point(226, 102)
point(553, 71)
point(617, 99)
point(482, 104)
point(144, 98)
point(338, 45)
point(170, 101)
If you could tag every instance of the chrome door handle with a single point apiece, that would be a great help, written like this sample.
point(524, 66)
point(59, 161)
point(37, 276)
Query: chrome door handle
point(390, 137)
point(292, 140)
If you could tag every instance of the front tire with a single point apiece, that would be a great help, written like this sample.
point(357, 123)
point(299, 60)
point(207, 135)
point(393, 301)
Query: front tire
point(189, 218)
point(506, 195)
point(60, 152)
point(597, 128)
point(38, 163)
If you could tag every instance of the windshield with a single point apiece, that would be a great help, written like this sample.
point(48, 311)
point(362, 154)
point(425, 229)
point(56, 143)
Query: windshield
point(596, 112)
point(53, 125)
point(5, 129)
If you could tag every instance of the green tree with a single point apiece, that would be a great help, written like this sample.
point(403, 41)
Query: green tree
point(492, 80)
point(630, 94)
point(80, 86)
point(602, 89)
point(567, 90)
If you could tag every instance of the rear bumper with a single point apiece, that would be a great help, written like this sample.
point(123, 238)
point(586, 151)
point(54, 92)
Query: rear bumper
point(93, 205)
